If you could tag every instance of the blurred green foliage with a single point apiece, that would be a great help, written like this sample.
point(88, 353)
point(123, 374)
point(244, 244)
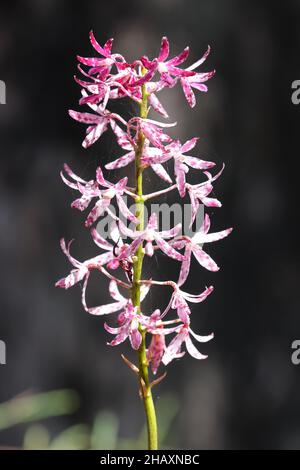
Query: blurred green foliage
point(103, 434)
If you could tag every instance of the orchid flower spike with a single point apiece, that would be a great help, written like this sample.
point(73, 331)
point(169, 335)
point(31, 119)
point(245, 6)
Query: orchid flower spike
point(142, 143)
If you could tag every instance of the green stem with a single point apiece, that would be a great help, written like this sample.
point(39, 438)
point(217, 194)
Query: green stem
point(146, 393)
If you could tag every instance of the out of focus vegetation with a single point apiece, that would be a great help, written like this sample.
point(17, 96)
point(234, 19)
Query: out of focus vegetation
point(33, 410)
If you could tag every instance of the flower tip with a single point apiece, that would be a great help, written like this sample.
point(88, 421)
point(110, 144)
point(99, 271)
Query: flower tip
point(62, 243)
point(61, 283)
point(210, 289)
point(72, 113)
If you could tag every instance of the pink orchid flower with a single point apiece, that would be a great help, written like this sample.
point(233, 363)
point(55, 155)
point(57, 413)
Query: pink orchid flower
point(97, 123)
point(168, 69)
point(117, 249)
point(157, 347)
point(102, 66)
point(173, 351)
point(149, 235)
point(129, 321)
point(82, 270)
point(179, 301)
point(199, 193)
point(181, 162)
point(90, 189)
point(196, 81)
point(146, 143)
point(151, 130)
point(194, 246)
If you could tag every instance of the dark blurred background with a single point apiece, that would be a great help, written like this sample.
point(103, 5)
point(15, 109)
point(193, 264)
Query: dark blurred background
point(246, 395)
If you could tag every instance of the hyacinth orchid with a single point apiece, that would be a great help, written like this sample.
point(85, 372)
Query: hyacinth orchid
point(147, 144)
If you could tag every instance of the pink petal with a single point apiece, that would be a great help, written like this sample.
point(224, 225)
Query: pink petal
point(125, 211)
point(148, 64)
point(120, 338)
point(100, 241)
point(108, 46)
point(174, 347)
point(155, 351)
point(72, 174)
point(112, 331)
point(149, 249)
point(67, 182)
point(106, 309)
point(179, 58)
point(105, 258)
point(120, 185)
point(122, 137)
point(157, 106)
point(152, 222)
point(200, 61)
point(81, 203)
point(183, 312)
point(188, 92)
point(180, 178)
point(135, 338)
point(201, 77)
point(94, 133)
point(128, 232)
point(83, 292)
point(134, 246)
point(185, 265)
point(167, 80)
point(66, 251)
point(121, 162)
point(145, 78)
point(170, 233)
point(73, 278)
point(189, 145)
point(194, 207)
point(199, 86)
point(192, 350)
point(198, 297)
point(115, 293)
point(206, 224)
point(204, 259)
point(167, 248)
point(211, 202)
point(211, 237)
point(164, 50)
point(98, 209)
point(197, 163)
point(86, 118)
point(161, 172)
point(100, 178)
point(102, 51)
point(201, 339)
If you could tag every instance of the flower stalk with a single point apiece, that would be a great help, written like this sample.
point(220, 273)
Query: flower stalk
point(145, 388)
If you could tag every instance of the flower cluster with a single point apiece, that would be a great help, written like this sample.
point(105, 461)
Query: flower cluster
point(146, 142)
